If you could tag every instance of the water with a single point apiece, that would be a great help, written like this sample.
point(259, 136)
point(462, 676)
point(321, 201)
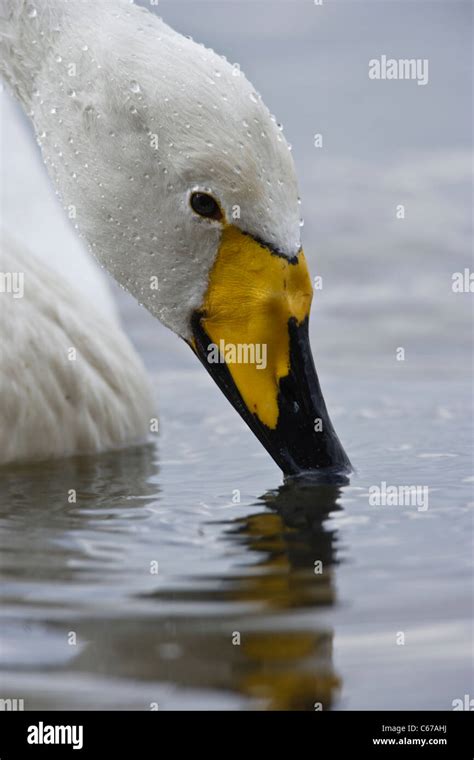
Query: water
point(238, 615)
point(88, 623)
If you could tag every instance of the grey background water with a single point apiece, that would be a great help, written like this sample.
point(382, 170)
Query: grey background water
point(168, 639)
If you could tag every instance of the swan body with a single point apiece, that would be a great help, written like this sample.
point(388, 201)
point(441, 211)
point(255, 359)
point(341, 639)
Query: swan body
point(70, 381)
point(181, 183)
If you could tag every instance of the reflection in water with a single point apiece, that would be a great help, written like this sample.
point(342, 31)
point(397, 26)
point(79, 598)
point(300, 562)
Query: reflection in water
point(101, 479)
point(291, 669)
point(258, 653)
point(54, 514)
point(249, 628)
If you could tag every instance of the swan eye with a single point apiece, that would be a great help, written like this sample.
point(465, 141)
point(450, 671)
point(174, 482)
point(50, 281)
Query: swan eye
point(205, 205)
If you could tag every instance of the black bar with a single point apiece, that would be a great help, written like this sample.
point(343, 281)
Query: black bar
point(152, 734)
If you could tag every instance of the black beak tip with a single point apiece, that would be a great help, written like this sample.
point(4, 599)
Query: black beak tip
point(335, 476)
point(304, 443)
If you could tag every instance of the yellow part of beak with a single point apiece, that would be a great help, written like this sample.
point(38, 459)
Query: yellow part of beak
point(252, 295)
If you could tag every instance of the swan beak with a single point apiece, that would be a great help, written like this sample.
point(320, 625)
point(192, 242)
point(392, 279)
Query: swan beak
point(251, 334)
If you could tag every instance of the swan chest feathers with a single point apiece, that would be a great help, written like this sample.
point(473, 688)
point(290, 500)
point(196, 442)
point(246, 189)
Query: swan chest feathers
point(70, 381)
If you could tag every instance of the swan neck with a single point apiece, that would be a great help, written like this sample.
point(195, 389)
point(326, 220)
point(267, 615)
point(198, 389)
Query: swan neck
point(29, 35)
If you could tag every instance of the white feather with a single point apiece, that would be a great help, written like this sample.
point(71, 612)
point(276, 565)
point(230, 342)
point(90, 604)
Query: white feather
point(70, 381)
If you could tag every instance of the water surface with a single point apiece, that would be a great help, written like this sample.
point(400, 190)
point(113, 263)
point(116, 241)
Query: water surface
point(156, 588)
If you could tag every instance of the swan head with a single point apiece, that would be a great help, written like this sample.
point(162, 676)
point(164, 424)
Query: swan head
point(176, 174)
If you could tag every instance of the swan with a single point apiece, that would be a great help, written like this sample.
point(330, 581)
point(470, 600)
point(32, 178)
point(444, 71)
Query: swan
point(183, 186)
